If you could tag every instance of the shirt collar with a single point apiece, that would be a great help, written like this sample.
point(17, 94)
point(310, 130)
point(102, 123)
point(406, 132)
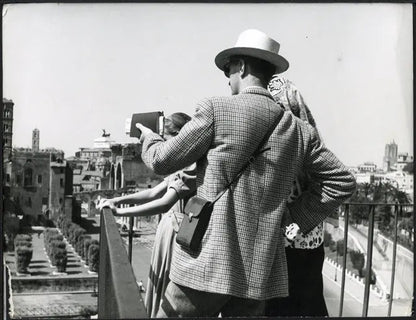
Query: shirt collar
point(257, 90)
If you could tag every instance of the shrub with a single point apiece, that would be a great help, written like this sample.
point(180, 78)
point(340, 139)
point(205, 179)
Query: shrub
point(60, 220)
point(88, 311)
point(49, 232)
point(65, 227)
point(327, 238)
point(332, 245)
point(49, 223)
point(23, 257)
point(73, 231)
point(357, 259)
point(80, 232)
point(93, 257)
point(70, 227)
point(80, 244)
point(22, 243)
point(340, 247)
point(87, 243)
point(52, 236)
point(25, 237)
point(60, 258)
point(22, 239)
point(373, 278)
point(55, 245)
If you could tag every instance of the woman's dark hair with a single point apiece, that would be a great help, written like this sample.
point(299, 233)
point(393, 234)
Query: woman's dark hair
point(175, 122)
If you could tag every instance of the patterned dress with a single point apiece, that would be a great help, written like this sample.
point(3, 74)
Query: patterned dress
point(288, 95)
point(183, 182)
point(305, 284)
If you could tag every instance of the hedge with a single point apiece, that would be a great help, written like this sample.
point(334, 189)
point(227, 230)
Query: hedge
point(87, 244)
point(60, 258)
point(80, 244)
point(23, 257)
point(54, 246)
point(75, 235)
point(21, 236)
point(22, 243)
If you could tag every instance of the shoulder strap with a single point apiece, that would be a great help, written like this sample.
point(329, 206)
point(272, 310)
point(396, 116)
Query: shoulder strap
point(256, 153)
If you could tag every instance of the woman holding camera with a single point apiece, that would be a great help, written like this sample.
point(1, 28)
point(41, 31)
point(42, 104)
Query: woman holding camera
point(168, 196)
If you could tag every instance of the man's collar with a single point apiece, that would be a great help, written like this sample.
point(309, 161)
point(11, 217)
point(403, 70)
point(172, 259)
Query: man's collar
point(257, 90)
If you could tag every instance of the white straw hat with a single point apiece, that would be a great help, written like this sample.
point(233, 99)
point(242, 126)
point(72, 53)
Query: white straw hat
point(257, 44)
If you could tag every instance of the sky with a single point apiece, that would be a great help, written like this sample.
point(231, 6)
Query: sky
point(75, 69)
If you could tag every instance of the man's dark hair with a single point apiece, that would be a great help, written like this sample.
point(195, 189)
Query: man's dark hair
point(259, 68)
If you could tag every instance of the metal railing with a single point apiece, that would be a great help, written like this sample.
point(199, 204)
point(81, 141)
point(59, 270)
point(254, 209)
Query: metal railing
point(398, 210)
point(118, 294)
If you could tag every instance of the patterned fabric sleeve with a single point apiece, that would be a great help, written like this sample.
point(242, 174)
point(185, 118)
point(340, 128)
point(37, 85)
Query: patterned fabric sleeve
point(333, 184)
point(185, 182)
point(192, 142)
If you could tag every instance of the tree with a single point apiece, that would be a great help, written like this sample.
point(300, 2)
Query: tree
point(340, 247)
point(357, 259)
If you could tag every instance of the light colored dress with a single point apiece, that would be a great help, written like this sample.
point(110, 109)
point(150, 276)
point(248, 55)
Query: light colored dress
point(184, 183)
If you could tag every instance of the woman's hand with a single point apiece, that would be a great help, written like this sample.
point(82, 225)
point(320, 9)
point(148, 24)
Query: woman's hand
point(107, 203)
point(102, 203)
point(144, 130)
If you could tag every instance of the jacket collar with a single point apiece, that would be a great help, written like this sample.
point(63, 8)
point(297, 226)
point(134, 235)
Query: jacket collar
point(257, 90)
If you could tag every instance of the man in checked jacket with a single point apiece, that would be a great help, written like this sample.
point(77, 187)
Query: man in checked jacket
point(241, 261)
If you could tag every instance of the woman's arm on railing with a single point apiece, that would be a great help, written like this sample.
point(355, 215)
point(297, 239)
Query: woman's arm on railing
point(137, 197)
point(150, 208)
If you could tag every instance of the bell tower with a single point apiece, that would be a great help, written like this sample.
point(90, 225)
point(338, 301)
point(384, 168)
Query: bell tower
point(35, 140)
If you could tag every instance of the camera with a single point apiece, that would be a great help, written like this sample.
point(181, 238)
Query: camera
point(152, 120)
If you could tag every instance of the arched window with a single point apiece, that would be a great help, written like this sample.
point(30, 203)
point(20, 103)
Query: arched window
point(28, 175)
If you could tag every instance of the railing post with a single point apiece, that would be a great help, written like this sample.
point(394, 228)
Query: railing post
point(393, 268)
point(344, 260)
point(103, 268)
point(369, 260)
point(118, 294)
point(131, 220)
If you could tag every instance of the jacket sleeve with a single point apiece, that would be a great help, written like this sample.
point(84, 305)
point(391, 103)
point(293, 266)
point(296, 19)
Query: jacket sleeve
point(330, 185)
point(192, 143)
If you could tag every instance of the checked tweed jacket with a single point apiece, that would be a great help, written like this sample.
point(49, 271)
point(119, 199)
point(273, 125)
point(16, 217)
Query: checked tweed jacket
point(242, 253)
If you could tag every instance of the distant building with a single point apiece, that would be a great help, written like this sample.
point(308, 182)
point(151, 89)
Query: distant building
point(39, 181)
point(367, 167)
point(7, 121)
point(128, 169)
point(110, 165)
point(390, 156)
point(403, 159)
point(364, 177)
point(91, 165)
